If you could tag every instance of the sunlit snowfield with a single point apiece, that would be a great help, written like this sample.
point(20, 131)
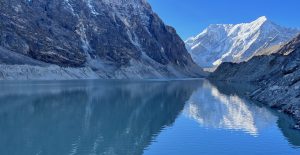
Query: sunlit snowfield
point(138, 117)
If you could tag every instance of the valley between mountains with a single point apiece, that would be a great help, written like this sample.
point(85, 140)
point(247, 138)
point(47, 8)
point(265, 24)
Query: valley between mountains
point(117, 39)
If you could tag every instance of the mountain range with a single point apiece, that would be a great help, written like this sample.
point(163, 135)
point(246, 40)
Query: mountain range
point(237, 42)
point(69, 39)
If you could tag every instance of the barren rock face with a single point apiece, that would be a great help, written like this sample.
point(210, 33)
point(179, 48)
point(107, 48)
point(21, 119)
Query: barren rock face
point(94, 33)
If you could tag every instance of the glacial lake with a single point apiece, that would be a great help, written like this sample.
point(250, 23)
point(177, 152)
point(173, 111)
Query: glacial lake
point(185, 117)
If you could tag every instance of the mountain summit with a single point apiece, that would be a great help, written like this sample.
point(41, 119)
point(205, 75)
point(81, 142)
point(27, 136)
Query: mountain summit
point(236, 43)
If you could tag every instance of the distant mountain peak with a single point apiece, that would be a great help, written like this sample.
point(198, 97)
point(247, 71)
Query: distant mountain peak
point(261, 19)
point(236, 42)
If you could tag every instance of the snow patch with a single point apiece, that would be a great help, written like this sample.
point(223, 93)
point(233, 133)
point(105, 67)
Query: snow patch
point(69, 6)
point(91, 7)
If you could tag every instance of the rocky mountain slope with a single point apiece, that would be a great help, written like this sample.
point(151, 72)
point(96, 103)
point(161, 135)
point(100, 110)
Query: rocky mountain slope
point(277, 76)
point(236, 43)
point(113, 38)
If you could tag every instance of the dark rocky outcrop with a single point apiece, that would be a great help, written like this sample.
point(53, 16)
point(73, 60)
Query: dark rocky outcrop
point(277, 77)
point(116, 38)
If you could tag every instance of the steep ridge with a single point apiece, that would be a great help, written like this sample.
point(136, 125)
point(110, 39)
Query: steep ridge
point(114, 38)
point(236, 43)
point(277, 76)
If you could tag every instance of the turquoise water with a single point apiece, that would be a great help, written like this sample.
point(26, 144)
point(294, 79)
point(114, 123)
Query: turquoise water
point(138, 117)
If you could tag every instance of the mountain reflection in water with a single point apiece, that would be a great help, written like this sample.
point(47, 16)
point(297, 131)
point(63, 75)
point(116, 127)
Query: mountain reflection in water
point(87, 118)
point(116, 117)
point(210, 108)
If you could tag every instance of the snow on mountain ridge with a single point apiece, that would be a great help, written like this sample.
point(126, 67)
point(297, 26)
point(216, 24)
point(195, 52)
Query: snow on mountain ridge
point(236, 43)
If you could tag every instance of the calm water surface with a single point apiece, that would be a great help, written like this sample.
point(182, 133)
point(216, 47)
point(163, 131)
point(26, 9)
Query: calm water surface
point(134, 118)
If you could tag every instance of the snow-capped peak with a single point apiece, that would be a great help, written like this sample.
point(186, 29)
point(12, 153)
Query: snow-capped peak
point(235, 43)
point(261, 19)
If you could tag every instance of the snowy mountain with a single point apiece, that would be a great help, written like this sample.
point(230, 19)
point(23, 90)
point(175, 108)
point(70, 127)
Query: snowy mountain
point(112, 38)
point(236, 43)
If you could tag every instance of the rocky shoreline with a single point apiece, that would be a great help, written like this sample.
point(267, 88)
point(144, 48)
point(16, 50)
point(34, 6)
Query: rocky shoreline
point(262, 94)
point(279, 98)
point(277, 77)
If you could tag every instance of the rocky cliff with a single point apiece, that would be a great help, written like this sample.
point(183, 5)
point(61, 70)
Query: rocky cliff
point(277, 76)
point(114, 38)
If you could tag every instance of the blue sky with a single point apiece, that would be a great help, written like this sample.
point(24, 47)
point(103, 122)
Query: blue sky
point(190, 17)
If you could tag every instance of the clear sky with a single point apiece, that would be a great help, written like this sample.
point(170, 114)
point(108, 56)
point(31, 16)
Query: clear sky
point(190, 17)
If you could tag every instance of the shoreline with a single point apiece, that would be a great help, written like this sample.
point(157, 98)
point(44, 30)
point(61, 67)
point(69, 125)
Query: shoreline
point(263, 94)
